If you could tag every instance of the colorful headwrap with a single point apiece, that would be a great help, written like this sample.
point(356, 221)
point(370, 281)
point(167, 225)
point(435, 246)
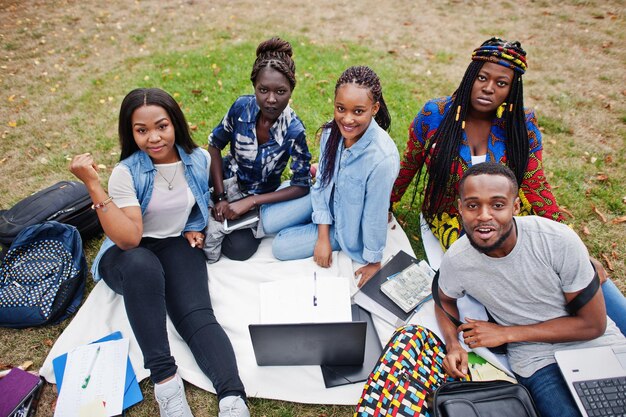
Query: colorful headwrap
point(507, 54)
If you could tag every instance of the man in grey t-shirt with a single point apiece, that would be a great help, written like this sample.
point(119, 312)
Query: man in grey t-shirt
point(524, 270)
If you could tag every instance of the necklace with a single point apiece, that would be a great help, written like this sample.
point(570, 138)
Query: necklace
point(169, 183)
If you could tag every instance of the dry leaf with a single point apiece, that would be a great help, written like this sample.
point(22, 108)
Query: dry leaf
point(586, 231)
point(566, 211)
point(601, 177)
point(609, 265)
point(415, 238)
point(12, 123)
point(193, 127)
point(599, 213)
point(48, 342)
point(196, 92)
point(618, 220)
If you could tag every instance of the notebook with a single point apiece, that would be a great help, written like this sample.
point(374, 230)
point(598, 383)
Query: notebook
point(19, 391)
point(371, 298)
point(289, 344)
point(246, 219)
point(589, 365)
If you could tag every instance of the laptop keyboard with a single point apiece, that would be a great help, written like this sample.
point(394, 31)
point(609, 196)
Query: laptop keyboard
point(603, 397)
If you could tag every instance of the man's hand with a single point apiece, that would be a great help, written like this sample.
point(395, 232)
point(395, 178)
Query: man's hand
point(479, 333)
point(455, 362)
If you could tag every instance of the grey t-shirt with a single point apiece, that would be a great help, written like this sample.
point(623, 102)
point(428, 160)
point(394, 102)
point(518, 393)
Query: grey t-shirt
point(526, 286)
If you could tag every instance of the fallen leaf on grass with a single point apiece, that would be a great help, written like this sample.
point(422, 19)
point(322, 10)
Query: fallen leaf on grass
point(415, 238)
point(196, 92)
point(566, 211)
point(586, 231)
point(601, 177)
point(609, 265)
point(48, 342)
point(599, 213)
point(618, 220)
point(12, 123)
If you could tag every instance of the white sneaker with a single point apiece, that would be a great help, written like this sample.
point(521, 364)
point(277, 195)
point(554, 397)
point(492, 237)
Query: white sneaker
point(171, 398)
point(233, 406)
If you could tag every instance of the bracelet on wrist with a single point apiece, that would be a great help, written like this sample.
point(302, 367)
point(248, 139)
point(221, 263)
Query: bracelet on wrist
point(220, 197)
point(102, 205)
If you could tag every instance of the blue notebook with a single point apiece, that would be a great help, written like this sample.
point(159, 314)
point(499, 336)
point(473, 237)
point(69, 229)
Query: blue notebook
point(132, 392)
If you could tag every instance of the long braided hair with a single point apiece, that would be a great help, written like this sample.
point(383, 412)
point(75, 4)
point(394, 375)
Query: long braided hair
point(275, 53)
point(445, 143)
point(364, 77)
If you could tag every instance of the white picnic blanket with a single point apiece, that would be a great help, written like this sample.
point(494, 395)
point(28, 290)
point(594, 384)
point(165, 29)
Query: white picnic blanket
point(234, 288)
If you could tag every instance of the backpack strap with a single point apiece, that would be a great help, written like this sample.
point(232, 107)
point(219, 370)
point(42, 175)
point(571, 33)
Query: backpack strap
point(578, 302)
point(585, 295)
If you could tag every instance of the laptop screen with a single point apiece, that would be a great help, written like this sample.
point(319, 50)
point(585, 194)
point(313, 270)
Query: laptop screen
point(340, 343)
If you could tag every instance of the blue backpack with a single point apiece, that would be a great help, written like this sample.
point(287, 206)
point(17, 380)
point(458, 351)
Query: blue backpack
point(42, 277)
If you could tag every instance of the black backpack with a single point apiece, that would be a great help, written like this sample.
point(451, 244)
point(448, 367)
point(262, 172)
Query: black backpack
point(65, 202)
point(42, 277)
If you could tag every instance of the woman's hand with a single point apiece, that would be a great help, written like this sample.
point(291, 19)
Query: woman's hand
point(366, 272)
point(85, 169)
point(219, 210)
point(323, 253)
point(239, 208)
point(195, 239)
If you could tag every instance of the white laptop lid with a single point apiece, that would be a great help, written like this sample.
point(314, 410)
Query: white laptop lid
point(592, 363)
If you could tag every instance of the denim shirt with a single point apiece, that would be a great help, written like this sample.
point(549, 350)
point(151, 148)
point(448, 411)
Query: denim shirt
point(362, 181)
point(142, 171)
point(259, 167)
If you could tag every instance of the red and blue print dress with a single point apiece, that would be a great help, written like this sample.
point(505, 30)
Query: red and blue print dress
point(535, 194)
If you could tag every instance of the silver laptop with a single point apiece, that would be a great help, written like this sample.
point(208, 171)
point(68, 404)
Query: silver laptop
point(596, 378)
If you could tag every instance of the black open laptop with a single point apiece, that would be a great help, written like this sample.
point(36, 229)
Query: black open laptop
point(340, 348)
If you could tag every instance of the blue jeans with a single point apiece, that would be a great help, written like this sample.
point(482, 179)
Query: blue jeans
point(550, 393)
point(168, 276)
point(296, 235)
point(279, 216)
point(615, 304)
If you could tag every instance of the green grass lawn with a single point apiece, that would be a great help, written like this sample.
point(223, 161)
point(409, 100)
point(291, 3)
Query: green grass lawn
point(583, 161)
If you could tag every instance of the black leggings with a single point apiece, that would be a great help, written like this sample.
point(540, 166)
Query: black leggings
point(169, 275)
point(240, 244)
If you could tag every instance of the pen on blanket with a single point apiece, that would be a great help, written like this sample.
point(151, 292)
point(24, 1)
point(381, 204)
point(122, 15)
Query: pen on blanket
point(93, 363)
point(314, 289)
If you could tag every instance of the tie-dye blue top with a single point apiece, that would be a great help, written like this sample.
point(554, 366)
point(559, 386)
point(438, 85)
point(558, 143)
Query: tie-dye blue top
point(259, 167)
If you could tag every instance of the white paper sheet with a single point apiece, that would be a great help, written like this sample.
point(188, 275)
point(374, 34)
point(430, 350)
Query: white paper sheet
point(292, 300)
point(105, 363)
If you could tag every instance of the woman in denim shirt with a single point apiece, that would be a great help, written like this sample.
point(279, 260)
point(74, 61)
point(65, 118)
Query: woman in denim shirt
point(358, 164)
point(154, 217)
point(263, 133)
